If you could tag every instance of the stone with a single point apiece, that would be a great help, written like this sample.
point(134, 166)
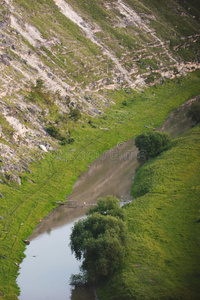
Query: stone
point(42, 147)
point(27, 170)
point(18, 180)
point(95, 110)
point(1, 195)
point(5, 59)
point(31, 181)
point(24, 164)
point(26, 242)
point(8, 177)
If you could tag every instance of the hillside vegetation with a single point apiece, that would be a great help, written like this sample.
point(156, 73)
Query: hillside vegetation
point(79, 49)
point(164, 224)
point(77, 77)
point(51, 178)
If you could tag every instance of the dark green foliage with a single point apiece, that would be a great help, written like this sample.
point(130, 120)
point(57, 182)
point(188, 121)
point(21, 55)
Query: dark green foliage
point(66, 140)
point(153, 143)
point(108, 206)
point(194, 112)
point(75, 114)
point(54, 132)
point(39, 84)
point(39, 95)
point(91, 124)
point(100, 240)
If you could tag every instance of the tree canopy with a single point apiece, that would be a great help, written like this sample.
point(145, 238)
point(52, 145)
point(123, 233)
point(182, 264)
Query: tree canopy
point(153, 143)
point(100, 239)
point(194, 112)
point(108, 206)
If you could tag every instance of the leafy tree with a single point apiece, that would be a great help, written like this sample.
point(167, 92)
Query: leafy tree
point(54, 132)
point(100, 241)
point(153, 143)
point(75, 114)
point(108, 206)
point(194, 112)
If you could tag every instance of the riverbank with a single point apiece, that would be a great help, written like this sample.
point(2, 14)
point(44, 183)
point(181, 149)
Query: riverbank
point(51, 179)
point(163, 255)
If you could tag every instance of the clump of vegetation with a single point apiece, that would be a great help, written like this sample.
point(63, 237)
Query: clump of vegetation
point(100, 239)
point(38, 94)
point(66, 140)
point(194, 112)
point(55, 133)
point(163, 223)
point(75, 114)
point(152, 143)
point(91, 124)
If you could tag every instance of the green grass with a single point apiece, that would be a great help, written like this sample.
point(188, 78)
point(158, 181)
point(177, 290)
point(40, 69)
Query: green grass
point(54, 176)
point(163, 259)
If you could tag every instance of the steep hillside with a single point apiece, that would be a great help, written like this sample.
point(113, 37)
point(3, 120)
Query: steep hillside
point(79, 48)
point(163, 254)
point(77, 77)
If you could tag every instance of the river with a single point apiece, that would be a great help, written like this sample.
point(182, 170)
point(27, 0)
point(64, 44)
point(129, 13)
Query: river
point(45, 272)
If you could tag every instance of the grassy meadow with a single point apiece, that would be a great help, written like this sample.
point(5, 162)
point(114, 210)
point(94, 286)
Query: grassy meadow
point(53, 177)
point(163, 258)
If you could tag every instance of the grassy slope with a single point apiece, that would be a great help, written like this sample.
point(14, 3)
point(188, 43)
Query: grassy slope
point(23, 206)
point(164, 260)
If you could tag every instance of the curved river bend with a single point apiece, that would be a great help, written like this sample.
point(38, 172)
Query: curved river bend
point(46, 270)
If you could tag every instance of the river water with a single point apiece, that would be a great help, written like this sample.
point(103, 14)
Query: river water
point(45, 272)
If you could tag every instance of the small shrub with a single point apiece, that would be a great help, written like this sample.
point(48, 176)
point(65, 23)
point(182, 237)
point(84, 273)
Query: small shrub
point(54, 132)
point(75, 114)
point(194, 112)
point(64, 140)
point(152, 143)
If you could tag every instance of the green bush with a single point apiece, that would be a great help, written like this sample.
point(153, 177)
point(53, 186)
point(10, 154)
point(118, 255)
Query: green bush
point(54, 132)
point(194, 112)
point(66, 140)
point(152, 143)
point(75, 114)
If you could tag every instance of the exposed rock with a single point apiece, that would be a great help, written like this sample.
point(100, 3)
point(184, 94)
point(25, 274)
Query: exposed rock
point(31, 181)
point(95, 110)
point(42, 147)
point(8, 177)
point(18, 180)
point(26, 242)
point(27, 170)
point(5, 59)
point(1, 195)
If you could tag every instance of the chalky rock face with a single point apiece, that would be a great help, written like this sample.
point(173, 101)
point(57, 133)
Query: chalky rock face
point(61, 55)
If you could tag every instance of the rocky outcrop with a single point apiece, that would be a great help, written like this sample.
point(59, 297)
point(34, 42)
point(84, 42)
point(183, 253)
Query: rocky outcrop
point(75, 56)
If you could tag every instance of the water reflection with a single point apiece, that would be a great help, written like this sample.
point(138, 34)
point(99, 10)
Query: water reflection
point(103, 178)
point(80, 293)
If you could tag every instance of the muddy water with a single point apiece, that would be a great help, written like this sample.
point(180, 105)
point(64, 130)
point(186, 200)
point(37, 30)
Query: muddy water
point(46, 270)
